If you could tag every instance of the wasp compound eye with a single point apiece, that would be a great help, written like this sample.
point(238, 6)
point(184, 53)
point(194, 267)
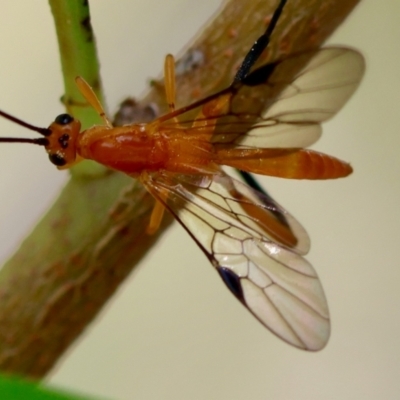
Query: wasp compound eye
point(64, 119)
point(57, 160)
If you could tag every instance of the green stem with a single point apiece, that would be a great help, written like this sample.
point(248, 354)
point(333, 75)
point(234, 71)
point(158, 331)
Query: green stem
point(78, 54)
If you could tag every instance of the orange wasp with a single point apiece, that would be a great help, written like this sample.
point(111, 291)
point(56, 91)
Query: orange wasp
point(261, 123)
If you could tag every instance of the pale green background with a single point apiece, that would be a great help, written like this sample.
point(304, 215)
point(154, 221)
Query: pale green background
point(173, 331)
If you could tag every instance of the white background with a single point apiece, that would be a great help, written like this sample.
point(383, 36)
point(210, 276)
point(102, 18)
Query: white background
point(173, 331)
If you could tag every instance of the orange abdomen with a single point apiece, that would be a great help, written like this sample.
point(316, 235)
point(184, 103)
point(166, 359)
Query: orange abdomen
point(285, 163)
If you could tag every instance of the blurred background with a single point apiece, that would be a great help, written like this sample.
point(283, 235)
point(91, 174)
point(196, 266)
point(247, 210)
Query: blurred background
point(173, 331)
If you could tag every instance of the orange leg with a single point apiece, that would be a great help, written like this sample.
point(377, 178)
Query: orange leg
point(170, 94)
point(204, 120)
point(88, 93)
point(169, 81)
point(156, 216)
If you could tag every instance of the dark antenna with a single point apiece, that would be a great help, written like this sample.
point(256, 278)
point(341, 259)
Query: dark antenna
point(38, 141)
point(259, 46)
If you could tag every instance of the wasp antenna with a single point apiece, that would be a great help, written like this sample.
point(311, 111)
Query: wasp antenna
point(38, 141)
point(259, 45)
point(42, 131)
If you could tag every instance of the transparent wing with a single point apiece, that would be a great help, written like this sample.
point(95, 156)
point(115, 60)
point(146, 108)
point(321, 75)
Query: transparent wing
point(248, 240)
point(321, 88)
point(269, 110)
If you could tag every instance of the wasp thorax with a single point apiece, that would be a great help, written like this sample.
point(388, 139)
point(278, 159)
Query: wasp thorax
point(62, 140)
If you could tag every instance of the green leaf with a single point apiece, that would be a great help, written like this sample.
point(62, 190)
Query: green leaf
point(12, 388)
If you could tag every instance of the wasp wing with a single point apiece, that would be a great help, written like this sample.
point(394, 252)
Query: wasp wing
point(244, 238)
point(281, 104)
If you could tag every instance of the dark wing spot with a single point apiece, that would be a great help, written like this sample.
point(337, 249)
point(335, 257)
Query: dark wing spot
point(232, 281)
